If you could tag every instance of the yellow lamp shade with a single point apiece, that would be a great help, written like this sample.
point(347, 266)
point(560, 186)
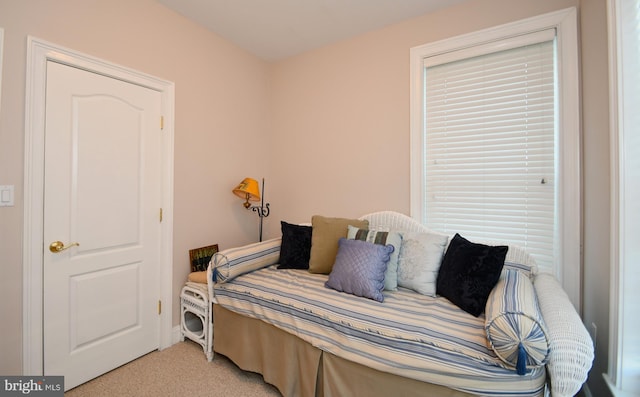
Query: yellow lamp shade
point(248, 190)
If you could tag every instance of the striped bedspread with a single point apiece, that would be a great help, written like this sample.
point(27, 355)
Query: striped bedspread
point(411, 335)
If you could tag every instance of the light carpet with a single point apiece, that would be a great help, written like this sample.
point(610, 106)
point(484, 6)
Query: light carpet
point(180, 370)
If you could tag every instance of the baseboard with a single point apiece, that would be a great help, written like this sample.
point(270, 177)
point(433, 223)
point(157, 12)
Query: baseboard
point(176, 335)
point(615, 392)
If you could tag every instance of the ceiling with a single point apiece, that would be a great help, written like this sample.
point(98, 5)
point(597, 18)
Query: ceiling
point(277, 29)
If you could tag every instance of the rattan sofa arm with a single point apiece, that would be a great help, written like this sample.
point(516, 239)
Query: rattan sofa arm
point(210, 283)
point(571, 348)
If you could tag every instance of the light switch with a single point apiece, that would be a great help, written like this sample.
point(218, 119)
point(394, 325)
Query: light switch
point(6, 196)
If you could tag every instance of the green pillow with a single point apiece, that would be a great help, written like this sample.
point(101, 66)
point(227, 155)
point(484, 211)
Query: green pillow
point(382, 238)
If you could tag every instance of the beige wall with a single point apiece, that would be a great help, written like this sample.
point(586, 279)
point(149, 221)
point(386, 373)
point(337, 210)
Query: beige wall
point(221, 124)
point(341, 113)
point(596, 182)
point(341, 129)
point(331, 126)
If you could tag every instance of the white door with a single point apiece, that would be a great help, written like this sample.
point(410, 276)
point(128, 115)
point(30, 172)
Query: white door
point(102, 206)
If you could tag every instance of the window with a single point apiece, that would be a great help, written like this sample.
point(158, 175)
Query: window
point(495, 142)
point(489, 147)
point(623, 374)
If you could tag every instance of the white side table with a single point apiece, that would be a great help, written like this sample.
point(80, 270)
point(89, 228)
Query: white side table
point(196, 322)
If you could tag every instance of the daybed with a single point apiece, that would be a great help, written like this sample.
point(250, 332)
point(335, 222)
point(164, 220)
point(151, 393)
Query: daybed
point(363, 333)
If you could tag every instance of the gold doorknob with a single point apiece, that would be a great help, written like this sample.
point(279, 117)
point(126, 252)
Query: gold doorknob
point(58, 246)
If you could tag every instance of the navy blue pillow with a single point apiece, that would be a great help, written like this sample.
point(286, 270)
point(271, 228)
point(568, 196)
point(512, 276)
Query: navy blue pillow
point(296, 246)
point(468, 273)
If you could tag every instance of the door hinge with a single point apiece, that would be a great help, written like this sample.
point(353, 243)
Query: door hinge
point(161, 122)
point(160, 214)
point(159, 307)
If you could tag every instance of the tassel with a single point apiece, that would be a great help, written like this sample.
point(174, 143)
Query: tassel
point(521, 366)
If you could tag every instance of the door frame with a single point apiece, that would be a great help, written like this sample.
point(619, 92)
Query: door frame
point(39, 52)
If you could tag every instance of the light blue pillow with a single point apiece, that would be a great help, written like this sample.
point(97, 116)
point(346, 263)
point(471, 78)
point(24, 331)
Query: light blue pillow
point(419, 261)
point(359, 268)
point(384, 238)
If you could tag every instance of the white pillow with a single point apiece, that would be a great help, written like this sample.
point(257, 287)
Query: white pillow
point(233, 262)
point(419, 261)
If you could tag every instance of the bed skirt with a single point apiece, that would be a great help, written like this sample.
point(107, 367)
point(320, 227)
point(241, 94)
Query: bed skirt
point(299, 369)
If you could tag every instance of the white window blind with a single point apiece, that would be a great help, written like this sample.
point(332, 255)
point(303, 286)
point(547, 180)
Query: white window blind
point(490, 144)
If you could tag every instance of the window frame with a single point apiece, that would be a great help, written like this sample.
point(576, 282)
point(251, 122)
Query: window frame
point(619, 382)
point(569, 142)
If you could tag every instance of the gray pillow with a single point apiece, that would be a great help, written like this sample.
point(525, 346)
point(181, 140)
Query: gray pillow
point(359, 268)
